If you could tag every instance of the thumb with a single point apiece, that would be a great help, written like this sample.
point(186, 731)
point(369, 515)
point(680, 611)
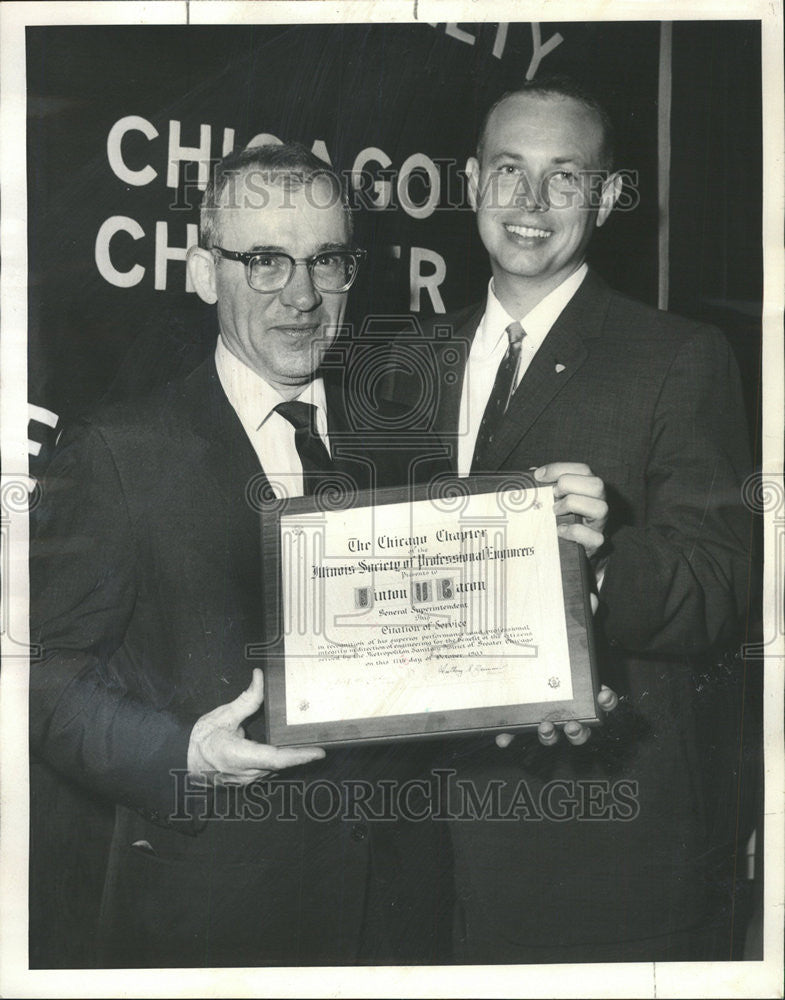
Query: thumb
point(249, 701)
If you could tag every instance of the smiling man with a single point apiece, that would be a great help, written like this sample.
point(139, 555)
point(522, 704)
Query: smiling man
point(635, 416)
point(147, 574)
point(540, 185)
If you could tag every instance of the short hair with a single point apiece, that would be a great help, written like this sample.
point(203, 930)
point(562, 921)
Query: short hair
point(289, 163)
point(560, 85)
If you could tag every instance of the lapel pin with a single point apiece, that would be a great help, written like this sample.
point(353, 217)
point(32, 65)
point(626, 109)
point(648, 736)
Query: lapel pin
point(560, 369)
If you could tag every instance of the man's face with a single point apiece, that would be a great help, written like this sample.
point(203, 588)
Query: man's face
point(536, 202)
point(282, 335)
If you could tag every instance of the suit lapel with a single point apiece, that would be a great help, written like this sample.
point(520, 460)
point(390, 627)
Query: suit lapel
point(227, 455)
point(347, 448)
point(557, 361)
point(449, 388)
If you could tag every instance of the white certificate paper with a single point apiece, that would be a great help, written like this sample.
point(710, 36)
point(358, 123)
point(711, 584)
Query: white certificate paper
point(413, 612)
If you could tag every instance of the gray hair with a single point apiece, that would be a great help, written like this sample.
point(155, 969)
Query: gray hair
point(288, 163)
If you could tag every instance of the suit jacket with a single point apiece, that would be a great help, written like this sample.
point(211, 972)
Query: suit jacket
point(146, 589)
point(652, 403)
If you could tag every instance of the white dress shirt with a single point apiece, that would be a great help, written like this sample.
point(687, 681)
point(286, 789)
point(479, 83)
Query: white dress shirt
point(489, 347)
point(271, 435)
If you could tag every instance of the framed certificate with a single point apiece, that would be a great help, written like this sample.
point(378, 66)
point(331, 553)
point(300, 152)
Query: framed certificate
point(423, 611)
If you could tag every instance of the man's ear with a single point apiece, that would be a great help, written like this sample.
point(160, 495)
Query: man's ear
point(201, 271)
point(473, 173)
point(611, 189)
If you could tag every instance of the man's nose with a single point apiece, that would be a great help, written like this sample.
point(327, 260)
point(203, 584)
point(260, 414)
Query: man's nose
point(532, 194)
point(300, 291)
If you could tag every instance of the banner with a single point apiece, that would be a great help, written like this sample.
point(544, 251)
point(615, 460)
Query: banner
point(124, 123)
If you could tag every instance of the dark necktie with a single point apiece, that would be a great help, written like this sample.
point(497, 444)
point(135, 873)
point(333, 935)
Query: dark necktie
point(315, 458)
point(499, 399)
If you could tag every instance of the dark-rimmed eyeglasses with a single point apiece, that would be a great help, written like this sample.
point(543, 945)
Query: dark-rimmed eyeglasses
point(272, 270)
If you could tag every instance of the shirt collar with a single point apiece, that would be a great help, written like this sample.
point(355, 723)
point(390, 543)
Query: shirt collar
point(253, 398)
point(537, 322)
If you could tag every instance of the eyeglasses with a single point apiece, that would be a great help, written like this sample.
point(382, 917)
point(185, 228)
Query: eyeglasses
point(271, 271)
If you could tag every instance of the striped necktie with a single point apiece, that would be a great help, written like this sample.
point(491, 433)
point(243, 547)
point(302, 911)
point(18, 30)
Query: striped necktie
point(315, 458)
point(499, 399)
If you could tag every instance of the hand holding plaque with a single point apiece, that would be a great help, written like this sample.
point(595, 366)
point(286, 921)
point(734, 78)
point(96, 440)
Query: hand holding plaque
point(577, 492)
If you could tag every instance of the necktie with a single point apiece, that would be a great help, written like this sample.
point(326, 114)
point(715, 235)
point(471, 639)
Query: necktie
point(315, 458)
point(499, 399)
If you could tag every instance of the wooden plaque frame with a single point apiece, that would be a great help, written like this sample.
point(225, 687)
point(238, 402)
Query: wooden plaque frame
point(465, 721)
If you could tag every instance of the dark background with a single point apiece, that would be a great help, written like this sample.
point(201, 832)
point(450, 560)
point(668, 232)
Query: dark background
point(402, 88)
point(405, 89)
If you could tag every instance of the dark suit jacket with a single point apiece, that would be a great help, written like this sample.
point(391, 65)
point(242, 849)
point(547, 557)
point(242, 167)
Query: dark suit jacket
point(146, 588)
point(652, 404)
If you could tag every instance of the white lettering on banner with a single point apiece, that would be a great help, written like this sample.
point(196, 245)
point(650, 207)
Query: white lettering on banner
point(228, 144)
point(39, 415)
point(114, 150)
point(382, 188)
point(430, 282)
point(177, 153)
point(195, 154)
point(116, 224)
point(319, 149)
point(263, 139)
point(501, 39)
point(164, 253)
point(540, 50)
point(419, 161)
point(454, 31)
point(373, 176)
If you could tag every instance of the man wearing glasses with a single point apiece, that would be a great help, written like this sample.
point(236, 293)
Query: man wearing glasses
point(146, 590)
